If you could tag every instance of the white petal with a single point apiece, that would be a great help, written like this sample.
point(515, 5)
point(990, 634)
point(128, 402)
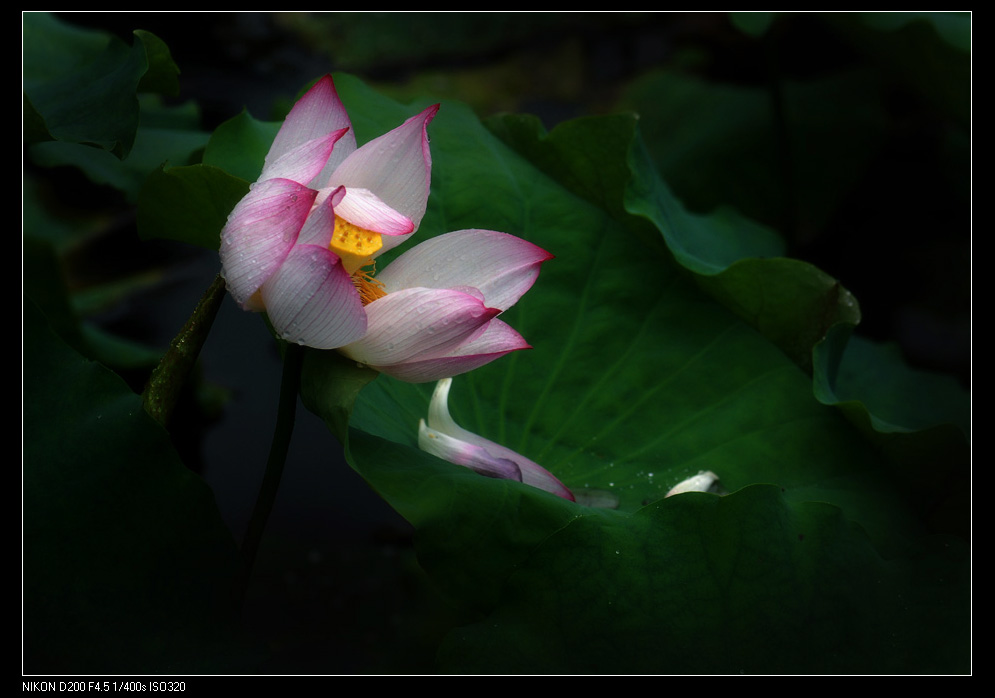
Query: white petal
point(702, 482)
point(494, 342)
point(418, 323)
point(397, 167)
point(465, 454)
point(501, 266)
point(440, 420)
point(364, 209)
point(311, 300)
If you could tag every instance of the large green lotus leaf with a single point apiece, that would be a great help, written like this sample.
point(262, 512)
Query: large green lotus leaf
point(920, 420)
point(747, 583)
point(638, 379)
point(738, 261)
point(80, 86)
point(805, 312)
point(127, 564)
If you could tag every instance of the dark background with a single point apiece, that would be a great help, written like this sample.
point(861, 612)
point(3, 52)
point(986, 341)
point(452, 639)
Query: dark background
point(337, 588)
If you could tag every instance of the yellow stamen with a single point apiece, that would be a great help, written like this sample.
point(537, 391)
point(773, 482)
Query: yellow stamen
point(355, 246)
point(369, 288)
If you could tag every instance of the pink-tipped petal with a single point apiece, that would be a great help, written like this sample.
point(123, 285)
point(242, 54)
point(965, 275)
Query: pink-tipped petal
point(261, 230)
point(316, 114)
point(441, 421)
point(417, 324)
point(366, 210)
point(431, 370)
point(466, 454)
point(311, 300)
point(397, 166)
point(320, 222)
point(497, 340)
point(303, 163)
point(502, 266)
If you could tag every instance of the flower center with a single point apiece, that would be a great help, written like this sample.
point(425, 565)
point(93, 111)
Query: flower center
point(369, 288)
point(355, 246)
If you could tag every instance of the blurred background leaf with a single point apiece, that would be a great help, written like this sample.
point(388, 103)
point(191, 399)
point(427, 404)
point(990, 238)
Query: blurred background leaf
point(59, 60)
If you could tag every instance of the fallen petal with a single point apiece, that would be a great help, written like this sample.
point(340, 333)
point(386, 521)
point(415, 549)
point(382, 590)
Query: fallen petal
point(440, 420)
point(702, 482)
point(465, 454)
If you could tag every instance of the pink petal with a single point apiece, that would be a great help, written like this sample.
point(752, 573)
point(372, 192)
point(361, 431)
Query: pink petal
point(320, 222)
point(417, 324)
point(311, 300)
point(261, 230)
point(466, 454)
point(303, 163)
point(497, 340)
point(440, 420)
point(501, 266)
point(364, 209)
point(315, 115)
point(397, 167)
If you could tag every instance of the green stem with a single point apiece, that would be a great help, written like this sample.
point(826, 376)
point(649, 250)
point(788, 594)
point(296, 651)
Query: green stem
point(167, 380)
point(292, 359)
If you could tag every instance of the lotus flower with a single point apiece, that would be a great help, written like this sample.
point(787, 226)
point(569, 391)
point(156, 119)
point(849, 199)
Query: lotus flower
point(301, 246)
point(321, 210)
point(442, 437)
point(437, 316)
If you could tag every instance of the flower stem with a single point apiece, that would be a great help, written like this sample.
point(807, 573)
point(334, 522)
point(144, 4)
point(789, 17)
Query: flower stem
point(167, 380)
point(292, 359)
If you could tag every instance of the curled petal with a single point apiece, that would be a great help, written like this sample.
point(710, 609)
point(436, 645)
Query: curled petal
point(317, 114)
point(261, 230)
point(494, 342)
point(418, 323)
point(441, 421)
point(466, 454)
point(397, 166)
point(303, 163)
point(311, 300)
point(364, 209)
point(320, 222)
point(501, 266)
